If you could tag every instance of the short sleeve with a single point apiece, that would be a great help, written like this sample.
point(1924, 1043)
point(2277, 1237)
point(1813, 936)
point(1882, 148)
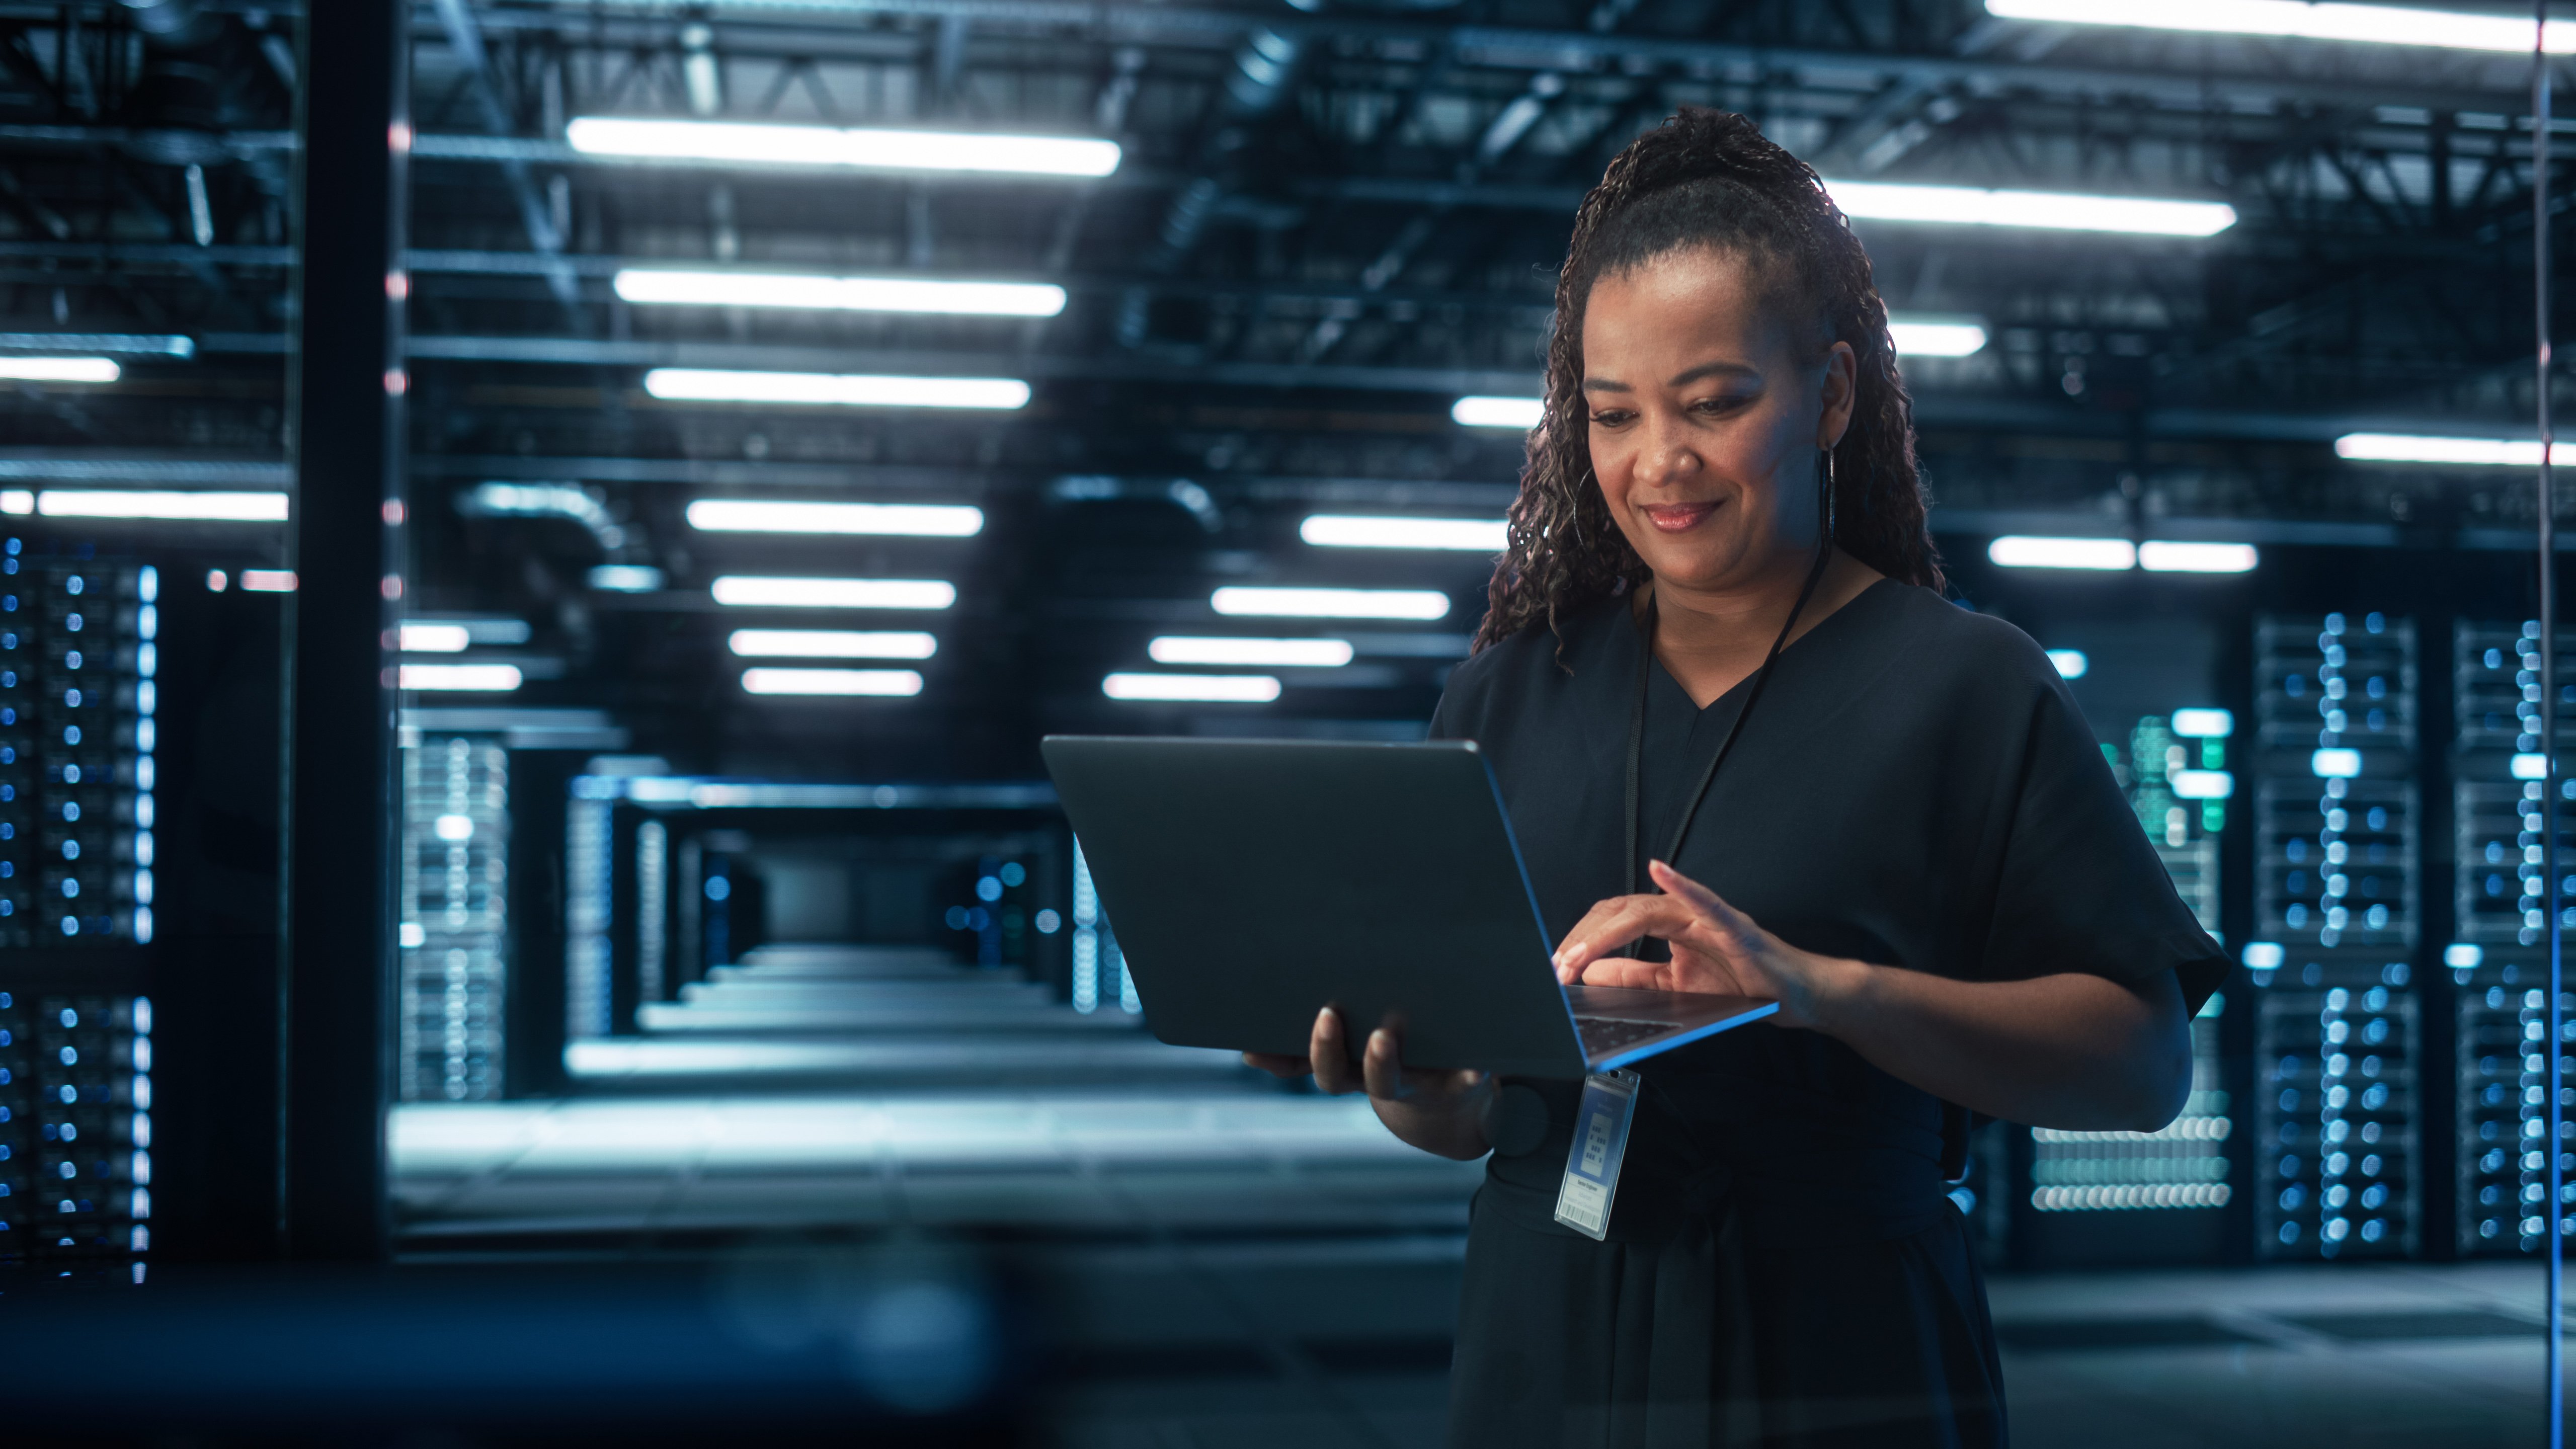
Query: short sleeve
point(2081, 888)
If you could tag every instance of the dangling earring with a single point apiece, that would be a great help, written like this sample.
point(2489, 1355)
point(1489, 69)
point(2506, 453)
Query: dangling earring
point(1825, 502)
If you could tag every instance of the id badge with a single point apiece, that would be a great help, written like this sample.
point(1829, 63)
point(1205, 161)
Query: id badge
point(1600, 1141)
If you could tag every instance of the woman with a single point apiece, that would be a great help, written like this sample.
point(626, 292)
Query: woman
point(1737, 727)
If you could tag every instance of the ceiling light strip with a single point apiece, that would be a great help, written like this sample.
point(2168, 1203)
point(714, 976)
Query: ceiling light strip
point(865, 148)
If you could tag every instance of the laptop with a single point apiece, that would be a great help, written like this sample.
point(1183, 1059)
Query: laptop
point(1249, 883)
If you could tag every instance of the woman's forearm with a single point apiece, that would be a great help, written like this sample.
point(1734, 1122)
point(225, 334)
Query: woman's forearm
point(2070, 1051)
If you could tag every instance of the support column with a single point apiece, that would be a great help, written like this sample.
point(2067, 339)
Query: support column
point(346, 385)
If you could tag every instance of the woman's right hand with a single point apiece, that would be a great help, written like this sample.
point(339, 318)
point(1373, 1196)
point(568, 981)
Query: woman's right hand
point(1438, 1111)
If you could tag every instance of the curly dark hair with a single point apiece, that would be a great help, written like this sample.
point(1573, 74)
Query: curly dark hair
point(1707, 178)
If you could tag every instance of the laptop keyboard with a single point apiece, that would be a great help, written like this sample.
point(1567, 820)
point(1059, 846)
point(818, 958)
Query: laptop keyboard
point(1605, 1034)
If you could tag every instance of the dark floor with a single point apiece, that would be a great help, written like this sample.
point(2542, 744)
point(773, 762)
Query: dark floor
point(1219, 1262)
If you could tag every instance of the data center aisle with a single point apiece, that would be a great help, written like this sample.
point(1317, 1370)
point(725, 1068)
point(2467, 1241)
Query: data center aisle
point(1220, 1262)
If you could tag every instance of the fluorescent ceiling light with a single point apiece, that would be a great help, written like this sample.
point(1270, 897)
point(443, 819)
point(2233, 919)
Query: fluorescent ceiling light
point(143, 344)
point(2470, 452)
point(435, 638)
point(2335, 764)
point(775, 593)
point(2377, 24)
point(696, 384)
point(1517, 413)
point(2018, 551)
point(1936, 336)
point(1342, 530)
point(457, 677)
point(2039, 210)
point(626, 578)
point(2070, 663)
point(2531, 767)
point(889, 683)
point(2203, 724)
point(2202, 784)
point(1216, 688)
point(60, 369)
point(193, 507)
point(1332, 603)
point(841, 294)
point(759, 515)
point(871, 149)
point(830, 644)
point(273, 581)
point(1274, 653)
point(2167, 557)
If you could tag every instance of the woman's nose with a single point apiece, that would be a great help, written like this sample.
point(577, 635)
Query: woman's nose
point(1666, 459)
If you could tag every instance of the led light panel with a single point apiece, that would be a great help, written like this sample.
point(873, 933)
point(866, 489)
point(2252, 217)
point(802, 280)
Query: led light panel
point(2018, 551)
point(1331, 603)
point(870, 149)
point(435, 638)
point(2465, 452)
point(1340, 530)
point(2036, 210)
point(191, 507)
point(1936, 337)
point(840, 294)
point(830, 644)
point(2165, 556)
point(884, 683)
point(1517, 413)
point(821, 389)
point(761, 515)
point(1211, 688)
point(2369, 24)
point(60, 369)
point(478, 678)
point(782, 593)
point(1273, 653)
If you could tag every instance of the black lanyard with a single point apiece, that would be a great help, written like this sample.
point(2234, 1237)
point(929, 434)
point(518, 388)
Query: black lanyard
point(1637, 721)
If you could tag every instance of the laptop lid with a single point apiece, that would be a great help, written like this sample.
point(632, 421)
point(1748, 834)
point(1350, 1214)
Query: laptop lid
point(1249, 882)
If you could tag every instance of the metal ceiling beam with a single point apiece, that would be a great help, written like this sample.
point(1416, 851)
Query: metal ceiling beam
point(2258, 82)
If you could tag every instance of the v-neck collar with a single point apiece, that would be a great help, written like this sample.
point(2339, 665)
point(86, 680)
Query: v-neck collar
point(1737, 690)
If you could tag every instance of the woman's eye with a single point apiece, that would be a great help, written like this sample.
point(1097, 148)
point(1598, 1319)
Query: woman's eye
point(1610, 419)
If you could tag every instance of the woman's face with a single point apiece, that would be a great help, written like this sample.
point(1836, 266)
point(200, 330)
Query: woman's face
point(1707, 411)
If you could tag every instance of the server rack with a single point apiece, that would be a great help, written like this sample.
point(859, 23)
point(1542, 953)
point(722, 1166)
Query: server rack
point(2338, 1145)
point(453, 936)
point(2496, 958)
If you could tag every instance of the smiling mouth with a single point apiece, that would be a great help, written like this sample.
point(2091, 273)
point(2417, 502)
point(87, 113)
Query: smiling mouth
point(1678, 517)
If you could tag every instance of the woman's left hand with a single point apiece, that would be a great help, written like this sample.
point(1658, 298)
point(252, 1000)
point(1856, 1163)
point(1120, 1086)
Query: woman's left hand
point(1717, 949)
